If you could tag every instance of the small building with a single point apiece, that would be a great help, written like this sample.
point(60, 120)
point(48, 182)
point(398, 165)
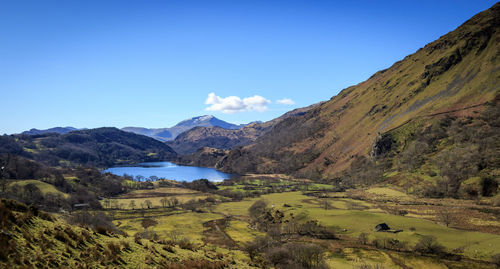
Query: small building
point(382, 227)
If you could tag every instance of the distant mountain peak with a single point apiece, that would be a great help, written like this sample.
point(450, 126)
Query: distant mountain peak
point(197, 120)
point(166, 134)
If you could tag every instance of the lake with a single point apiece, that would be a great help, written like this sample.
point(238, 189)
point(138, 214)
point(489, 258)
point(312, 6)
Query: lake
point(169, 170)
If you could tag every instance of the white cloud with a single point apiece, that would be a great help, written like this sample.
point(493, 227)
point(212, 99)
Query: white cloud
point(286, 101)
point(234, 104)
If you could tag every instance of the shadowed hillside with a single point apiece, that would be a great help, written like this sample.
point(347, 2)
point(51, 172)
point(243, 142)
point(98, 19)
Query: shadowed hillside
point(94, 147)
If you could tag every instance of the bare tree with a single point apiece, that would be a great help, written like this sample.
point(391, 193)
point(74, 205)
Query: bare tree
point(175, 202)
point(164, 202)
point(107, 203)
point(326, 204)
point(148, 204)
point(446, 216)
point(363, 238)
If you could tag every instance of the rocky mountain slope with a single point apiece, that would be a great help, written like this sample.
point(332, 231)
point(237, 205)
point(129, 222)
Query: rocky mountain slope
point(215, 137)
point(166, 134)
point(455, 75)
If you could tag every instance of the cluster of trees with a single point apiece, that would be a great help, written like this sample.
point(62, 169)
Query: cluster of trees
point(85, 187)
point(460, 148)
point(97, 221)
point(202, 185)
point(280, 247)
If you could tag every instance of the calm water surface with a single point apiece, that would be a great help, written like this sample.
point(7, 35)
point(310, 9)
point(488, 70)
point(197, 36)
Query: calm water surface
point(169, 170)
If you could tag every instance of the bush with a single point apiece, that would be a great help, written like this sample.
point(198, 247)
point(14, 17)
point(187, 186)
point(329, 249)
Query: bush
point(363, 238)
point(148, 222)
point(295, 255)
point(313, 229)
point(257, 209)
point(489, 186)
point(495, 259)
point(278, 256)
point(402, 212)
point(429, 245)
point(259, 244)
point(169, 248)
point(148, 234)
point(307, 255)
point(185, 243)
point(114, 249)
point(61, 236)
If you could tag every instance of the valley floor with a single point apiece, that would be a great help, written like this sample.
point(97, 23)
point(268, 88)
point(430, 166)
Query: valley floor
point(469, 230)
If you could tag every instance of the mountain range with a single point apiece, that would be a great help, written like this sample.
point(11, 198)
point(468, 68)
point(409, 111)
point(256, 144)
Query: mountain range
point(216, 137)
point(167, 134)
point(57, 130)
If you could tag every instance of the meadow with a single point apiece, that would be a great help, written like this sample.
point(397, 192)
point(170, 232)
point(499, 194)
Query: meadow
point(226, 224)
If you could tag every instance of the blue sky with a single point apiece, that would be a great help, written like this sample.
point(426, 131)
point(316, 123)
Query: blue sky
point(154, 63)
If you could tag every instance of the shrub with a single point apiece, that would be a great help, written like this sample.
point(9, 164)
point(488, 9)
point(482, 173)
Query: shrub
point(126, 245)
point(101, 230)
point(148, 234)
point(137, 239)
point(278, 256)
point(363, 238)
point(495, 259)
point(148, 222)
point(394, 244)
point(61, 236)
point(169, 248)
point(429, 245)
point(307, 255)
point(489, 186)
point(259, 244)
point(313, 229)
point(257, 209)
point(185, 243)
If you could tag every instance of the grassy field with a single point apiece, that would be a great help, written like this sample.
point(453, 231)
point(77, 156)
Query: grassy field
point(240, 232)
point(156, 195)
point(45, 188)
point(347, 213)
point(181, 224)
point(355, 221)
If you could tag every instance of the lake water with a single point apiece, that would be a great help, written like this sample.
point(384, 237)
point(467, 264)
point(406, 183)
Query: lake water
point(169, 170)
